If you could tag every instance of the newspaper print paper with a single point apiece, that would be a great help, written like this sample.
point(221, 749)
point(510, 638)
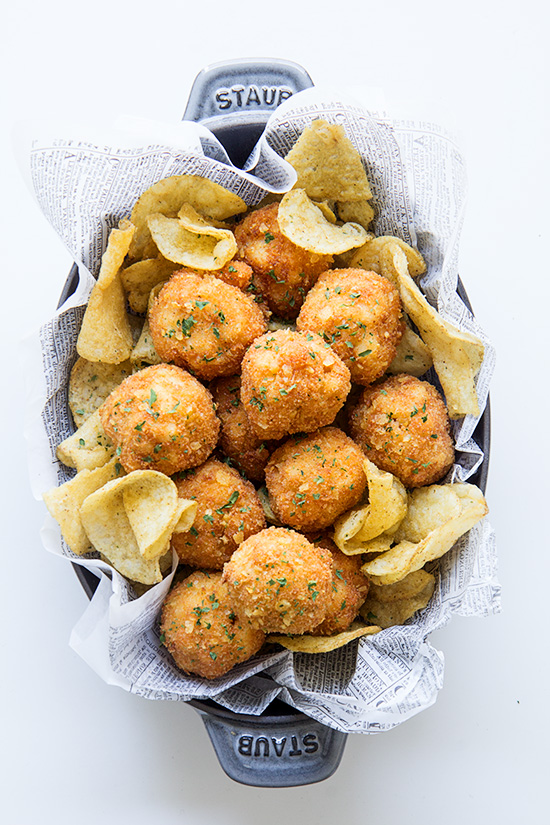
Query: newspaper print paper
point(418, 179)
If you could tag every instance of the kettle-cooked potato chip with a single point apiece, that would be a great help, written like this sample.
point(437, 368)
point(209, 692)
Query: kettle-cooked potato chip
point(355, 211)
point(168, 195)
point(105, 334)
point(305, 224)
point(412, 355)
point(457, 356)
point(408, 556)
point(64, 503)
point(130, 521)
point(139, 279)
point(392, 604)
point(90, 383)
point(373, 257)
point(386, 507)
point(309, 643)
point(89, 447)
point(190, 241)
point(328, 165)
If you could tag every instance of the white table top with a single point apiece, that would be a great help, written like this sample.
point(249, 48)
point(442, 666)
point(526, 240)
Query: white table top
point(77, 750)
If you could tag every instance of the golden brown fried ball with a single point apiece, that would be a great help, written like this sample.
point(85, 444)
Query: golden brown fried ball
point(235, 273)
point(228, 512)
point(283, 272)
point(359, 314)
point(349, 590)
point(248, 451)
point(280, 581)
point(161, 418)
point(200, 629)
point(313, 479)
point(203, 324)
point(292, 382)
point(403, 426)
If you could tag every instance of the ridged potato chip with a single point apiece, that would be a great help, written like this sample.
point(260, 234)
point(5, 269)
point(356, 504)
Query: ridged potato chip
point(457, 356)
point(89, 447)
point(304, 223)
point(64, 503)
point(139, 279)
point(105, 334)
point(328, 165)
point(90, 383)
point(167, 196)
point(309, 643)
point(190, 241)
point(408, 556)
point(386, 507)
point(393, 604)
point(130, 520)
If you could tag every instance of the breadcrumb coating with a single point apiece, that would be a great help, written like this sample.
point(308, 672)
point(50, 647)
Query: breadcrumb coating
point(403, 427)
point(359, 314)
point(280, 581)
point(283, 272)
point(161, 418)
point(201, 323)
point(312, 479)
point(228, 512)
point(292, 382)
point(200, 629)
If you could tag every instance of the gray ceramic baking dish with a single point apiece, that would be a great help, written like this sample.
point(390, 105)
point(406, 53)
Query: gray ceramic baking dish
point(282, 747)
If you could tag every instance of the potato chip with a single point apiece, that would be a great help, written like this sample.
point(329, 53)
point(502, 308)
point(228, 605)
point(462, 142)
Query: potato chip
point(145, 501)
point(64, 503)
point(130, 521)
point(328, 165)
point(168, 195)
point(144, 353)
point(408, 556)
point(89, 385)
point(303, 223)
point(457, 356)
point(393, 604)
point(87, 448)
point(105, 334)
point(427, 509)
point(355, 211)
point(374, 257)
point(190, 241)
point(139, 279)
point(386, 507)
point(309, 643)
point(412, 356)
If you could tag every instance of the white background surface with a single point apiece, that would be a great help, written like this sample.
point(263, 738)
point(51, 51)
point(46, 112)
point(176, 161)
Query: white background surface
point(76, 750)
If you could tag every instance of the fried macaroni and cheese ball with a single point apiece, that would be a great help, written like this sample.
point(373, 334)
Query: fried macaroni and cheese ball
point(160, 418)
point(359, 314)
point(283, 272)
point(292, 382)
point(403, 427)
point(238, 441)
point(313, 479)
point(228, 512)
point(204, 324)
point(235, 273)
point(200, 629)
point(348, 592)
point(280, 581)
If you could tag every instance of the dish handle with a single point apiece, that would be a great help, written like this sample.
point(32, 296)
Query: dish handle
point(242, 93)
point(273, 752)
